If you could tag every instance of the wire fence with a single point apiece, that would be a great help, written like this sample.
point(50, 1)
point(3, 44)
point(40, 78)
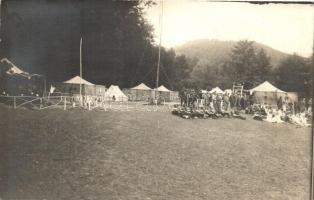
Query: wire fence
point(66, 102)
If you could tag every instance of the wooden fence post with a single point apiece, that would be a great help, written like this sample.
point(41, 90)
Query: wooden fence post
point(65, 103)
point(41, 102)
point(14, 103)
point(187, 100)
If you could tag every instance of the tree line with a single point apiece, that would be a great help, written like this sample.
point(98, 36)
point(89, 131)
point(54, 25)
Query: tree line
point(250, 66)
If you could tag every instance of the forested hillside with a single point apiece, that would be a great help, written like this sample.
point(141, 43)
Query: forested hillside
point(212, 52)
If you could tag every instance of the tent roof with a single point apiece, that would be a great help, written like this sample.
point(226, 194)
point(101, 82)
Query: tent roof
point(163, 89)
point(78, 80)
point(217, 90)
point(141, 86)
point(266, 87)
point(14, 70)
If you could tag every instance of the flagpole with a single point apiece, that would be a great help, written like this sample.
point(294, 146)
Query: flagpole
point(81, 69)
point(159, 49)
point(0, 20)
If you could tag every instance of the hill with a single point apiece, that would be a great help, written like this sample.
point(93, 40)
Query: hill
point(217, 51)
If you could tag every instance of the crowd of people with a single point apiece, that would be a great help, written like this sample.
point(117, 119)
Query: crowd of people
point(211, 105)
point(299, 113)
point(235, 105)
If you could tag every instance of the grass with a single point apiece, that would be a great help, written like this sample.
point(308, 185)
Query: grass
point(78, 154)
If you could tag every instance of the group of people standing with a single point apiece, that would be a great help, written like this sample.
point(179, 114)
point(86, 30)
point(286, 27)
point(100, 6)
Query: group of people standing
point(224, 102)
point(212, 105)
point(305, 105)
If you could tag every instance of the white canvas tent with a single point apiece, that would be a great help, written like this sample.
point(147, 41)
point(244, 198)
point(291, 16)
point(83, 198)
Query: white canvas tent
point(140, 92)
point(141, 86)
point(267, 93)
point(78, 80)
point(72, 87)
point(166, 94)
point(266, 87)
point(15, 81)
point(216, 90)
point(163, 93)
point(114, 92)
point(13, 68)
point(163, 89)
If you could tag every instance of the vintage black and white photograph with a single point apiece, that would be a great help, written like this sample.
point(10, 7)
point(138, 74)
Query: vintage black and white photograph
point(156, 100)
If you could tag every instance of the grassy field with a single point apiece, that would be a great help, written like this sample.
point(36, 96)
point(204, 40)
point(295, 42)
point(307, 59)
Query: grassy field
point(79, 154)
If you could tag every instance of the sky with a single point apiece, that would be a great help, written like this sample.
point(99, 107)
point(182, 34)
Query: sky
point(288, 28)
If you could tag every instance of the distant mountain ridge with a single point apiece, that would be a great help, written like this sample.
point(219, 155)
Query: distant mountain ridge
point(217, 51)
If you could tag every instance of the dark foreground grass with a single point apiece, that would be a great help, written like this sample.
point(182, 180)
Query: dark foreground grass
point(75, 154)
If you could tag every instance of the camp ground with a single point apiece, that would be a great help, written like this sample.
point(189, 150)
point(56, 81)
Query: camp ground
point(156, 100)
point(88, 141)
point(115, 144)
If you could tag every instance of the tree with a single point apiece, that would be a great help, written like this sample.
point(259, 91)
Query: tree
point(242, 60)
point(294, 74)
point(183, 68)
point(117, 35)
point(247, 64)
point(262, 67)
point(43, 37)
